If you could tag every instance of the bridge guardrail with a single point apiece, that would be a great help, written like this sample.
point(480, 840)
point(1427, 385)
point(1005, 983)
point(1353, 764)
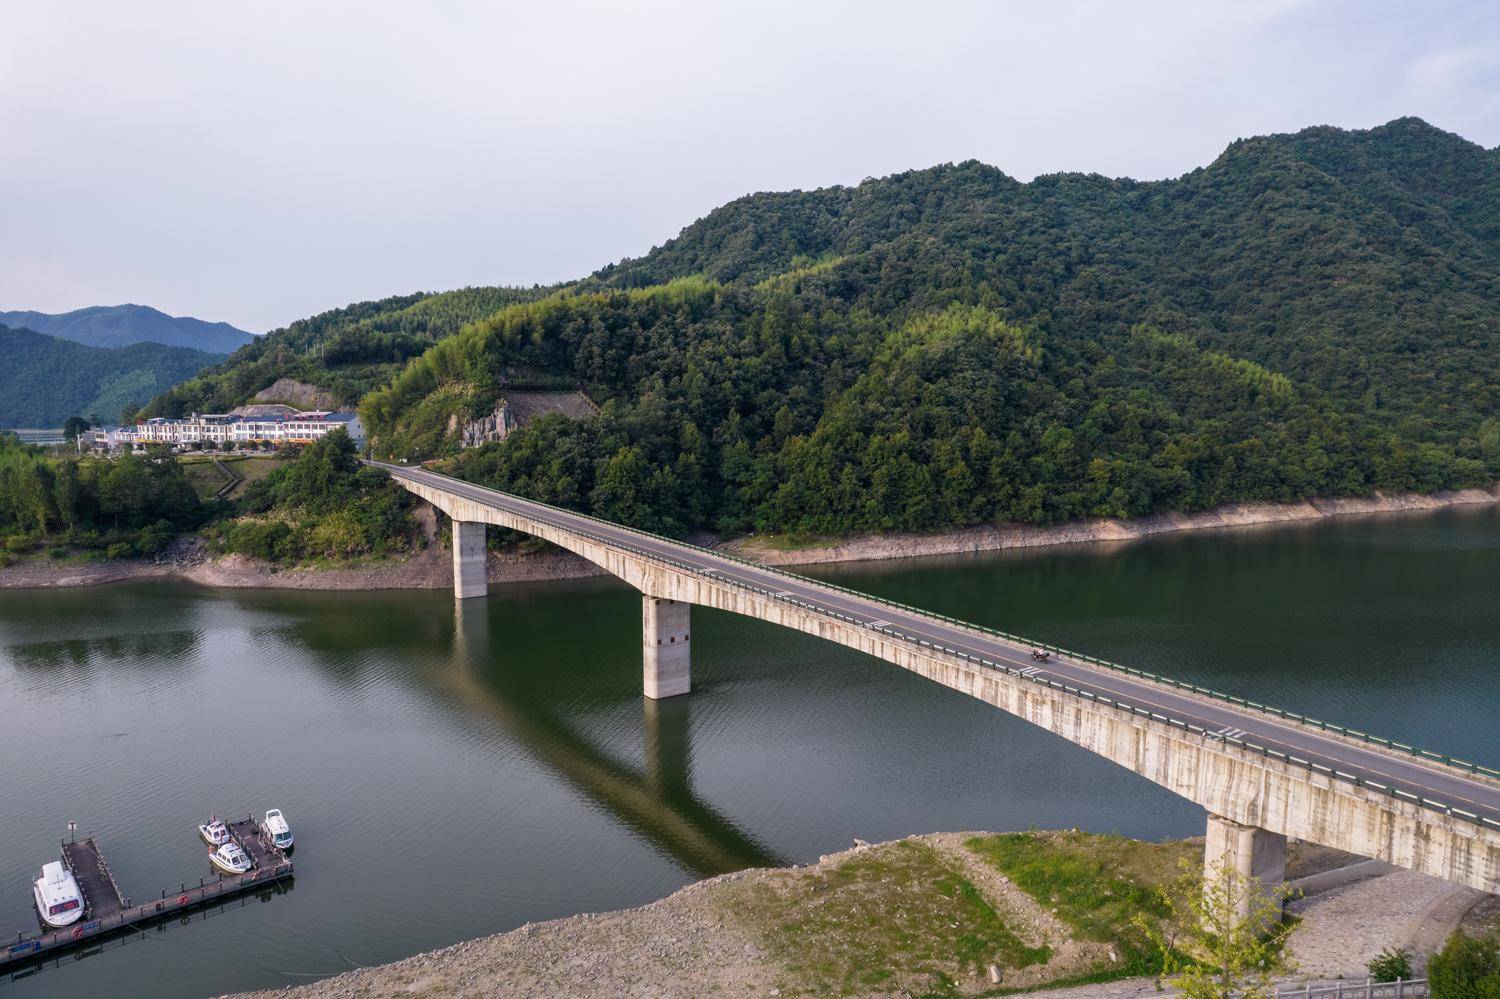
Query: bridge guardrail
point(1423, 754)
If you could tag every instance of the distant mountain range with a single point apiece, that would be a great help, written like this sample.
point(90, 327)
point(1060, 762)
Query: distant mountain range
point(123, 325)
point(46, 379)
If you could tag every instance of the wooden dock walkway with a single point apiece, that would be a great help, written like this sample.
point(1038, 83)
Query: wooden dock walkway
point(102, 897)
point(109, 910)
point(247, 834)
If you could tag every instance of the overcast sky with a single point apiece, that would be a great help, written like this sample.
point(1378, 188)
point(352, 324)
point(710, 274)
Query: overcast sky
point(259, 162)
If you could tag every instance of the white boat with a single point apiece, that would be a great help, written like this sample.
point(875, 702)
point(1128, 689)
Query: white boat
point(214, 832)
point(58, 900)
point(277, 829)
point(230, 859)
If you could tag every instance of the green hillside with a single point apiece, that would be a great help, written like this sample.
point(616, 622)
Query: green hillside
point(123, 325)
point(347, 351)
point(44, 379)
point(1310, 314)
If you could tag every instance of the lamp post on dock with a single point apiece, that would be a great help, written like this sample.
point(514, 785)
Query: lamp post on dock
point(72, 832)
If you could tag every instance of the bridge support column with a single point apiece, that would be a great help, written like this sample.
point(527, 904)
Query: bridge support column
point(664, 647)
point(470, 578)
point(1256, 858)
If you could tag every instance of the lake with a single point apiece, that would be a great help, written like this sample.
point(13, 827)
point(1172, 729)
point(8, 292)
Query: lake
point(452, 773)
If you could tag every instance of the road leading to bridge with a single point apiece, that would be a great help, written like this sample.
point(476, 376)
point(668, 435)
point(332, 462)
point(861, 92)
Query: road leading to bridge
point(1437, 785)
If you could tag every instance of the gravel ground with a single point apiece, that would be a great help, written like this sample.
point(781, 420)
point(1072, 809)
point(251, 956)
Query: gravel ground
point(696, 942)
point(1344, 928)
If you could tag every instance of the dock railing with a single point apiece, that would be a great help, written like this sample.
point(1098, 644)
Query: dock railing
point(26, 946)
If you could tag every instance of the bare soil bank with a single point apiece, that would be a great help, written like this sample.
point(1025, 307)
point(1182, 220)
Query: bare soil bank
point(990, 538)
point(430, 568)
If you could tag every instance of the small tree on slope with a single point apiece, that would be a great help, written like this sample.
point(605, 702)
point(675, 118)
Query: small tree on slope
point(1224, 936)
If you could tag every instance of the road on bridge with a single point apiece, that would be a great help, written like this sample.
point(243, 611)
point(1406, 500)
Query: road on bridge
point(1431, 780)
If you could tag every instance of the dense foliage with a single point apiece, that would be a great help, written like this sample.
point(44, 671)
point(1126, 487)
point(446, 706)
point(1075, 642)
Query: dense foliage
point(950, 347)
point(1466, 968)
point(346, 351)
point(322, 504)
point(44, 379)
point(129, 506)
point(1310, 314)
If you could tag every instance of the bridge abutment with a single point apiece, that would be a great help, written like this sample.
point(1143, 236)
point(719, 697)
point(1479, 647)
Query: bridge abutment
point(1255, 858)
point(664, 646)
point(470, 578)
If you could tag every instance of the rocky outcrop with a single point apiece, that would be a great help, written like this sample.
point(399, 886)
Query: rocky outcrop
point(298, 394)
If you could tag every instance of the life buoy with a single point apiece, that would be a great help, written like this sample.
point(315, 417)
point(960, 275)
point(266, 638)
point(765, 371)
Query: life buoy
point(182, 900)
point(78, 933)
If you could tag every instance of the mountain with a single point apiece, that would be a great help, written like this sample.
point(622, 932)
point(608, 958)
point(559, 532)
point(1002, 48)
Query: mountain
point(46, 379)
point(1315, 313)
point(346, 352)
point(122, 325)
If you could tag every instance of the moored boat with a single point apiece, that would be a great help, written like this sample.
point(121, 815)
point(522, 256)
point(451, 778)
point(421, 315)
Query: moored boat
point(277, 829)
point(230, 859)
point(214, 832)
point(58, 900)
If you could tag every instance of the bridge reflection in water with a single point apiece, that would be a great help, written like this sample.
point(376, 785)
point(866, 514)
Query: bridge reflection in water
point(1263, 774)
point(658, 802)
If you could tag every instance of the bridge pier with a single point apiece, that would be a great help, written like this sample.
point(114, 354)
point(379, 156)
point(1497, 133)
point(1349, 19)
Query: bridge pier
point(664, 647)
point(470, 575)
point(1256, 858)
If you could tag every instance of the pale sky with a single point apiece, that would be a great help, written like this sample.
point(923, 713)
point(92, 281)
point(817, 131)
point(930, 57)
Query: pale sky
point(259, 162)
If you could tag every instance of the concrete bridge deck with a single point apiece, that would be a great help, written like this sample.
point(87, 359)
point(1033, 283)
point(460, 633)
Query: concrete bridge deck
point(1258, 768)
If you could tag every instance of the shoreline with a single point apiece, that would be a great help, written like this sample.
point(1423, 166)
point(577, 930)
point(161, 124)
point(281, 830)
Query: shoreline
point(430, 568)
point(726, 935)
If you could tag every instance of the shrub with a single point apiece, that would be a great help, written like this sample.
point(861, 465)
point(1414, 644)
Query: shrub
point(1466, 968)
point(1390, 965)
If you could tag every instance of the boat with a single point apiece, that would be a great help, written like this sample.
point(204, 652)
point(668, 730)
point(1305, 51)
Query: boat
point(214, 832)
point(277, 829)
point(230, 859)
point(58, 900)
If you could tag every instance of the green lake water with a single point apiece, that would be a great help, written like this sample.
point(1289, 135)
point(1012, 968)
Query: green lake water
point(452, 773)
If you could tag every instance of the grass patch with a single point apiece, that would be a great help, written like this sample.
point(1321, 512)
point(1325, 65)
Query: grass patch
point(893, 918)
point(1095, 884)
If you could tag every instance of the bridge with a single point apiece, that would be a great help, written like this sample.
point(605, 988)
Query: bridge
point(1262, 774)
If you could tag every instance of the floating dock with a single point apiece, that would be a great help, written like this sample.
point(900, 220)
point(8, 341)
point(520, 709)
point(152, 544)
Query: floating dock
point(109, 910)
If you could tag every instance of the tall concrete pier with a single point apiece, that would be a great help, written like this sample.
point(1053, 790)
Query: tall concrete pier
point(664, 647)
point(470, 575)
point(1255, 858)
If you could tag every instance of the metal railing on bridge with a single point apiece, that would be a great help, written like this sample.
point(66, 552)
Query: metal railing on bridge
point(1355, 779)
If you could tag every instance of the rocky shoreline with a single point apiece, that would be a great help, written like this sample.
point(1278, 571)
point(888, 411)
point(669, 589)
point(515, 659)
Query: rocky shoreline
point(430, 567)
point(707, 938)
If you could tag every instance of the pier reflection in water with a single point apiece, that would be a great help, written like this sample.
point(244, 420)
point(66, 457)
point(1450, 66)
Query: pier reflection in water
point(658, 803)
point(451, 774)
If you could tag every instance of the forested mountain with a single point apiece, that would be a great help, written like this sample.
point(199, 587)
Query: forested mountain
point(347, 351)
point(46, 379)
point(1311, 313)
point(123, 325)
point(1316, 313)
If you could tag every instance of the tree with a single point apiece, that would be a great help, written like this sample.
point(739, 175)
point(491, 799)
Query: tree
point(1224, 936)
point(73, 426)
point(1466, 968)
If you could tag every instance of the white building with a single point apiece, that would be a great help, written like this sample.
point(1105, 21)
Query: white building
point(213, 429)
